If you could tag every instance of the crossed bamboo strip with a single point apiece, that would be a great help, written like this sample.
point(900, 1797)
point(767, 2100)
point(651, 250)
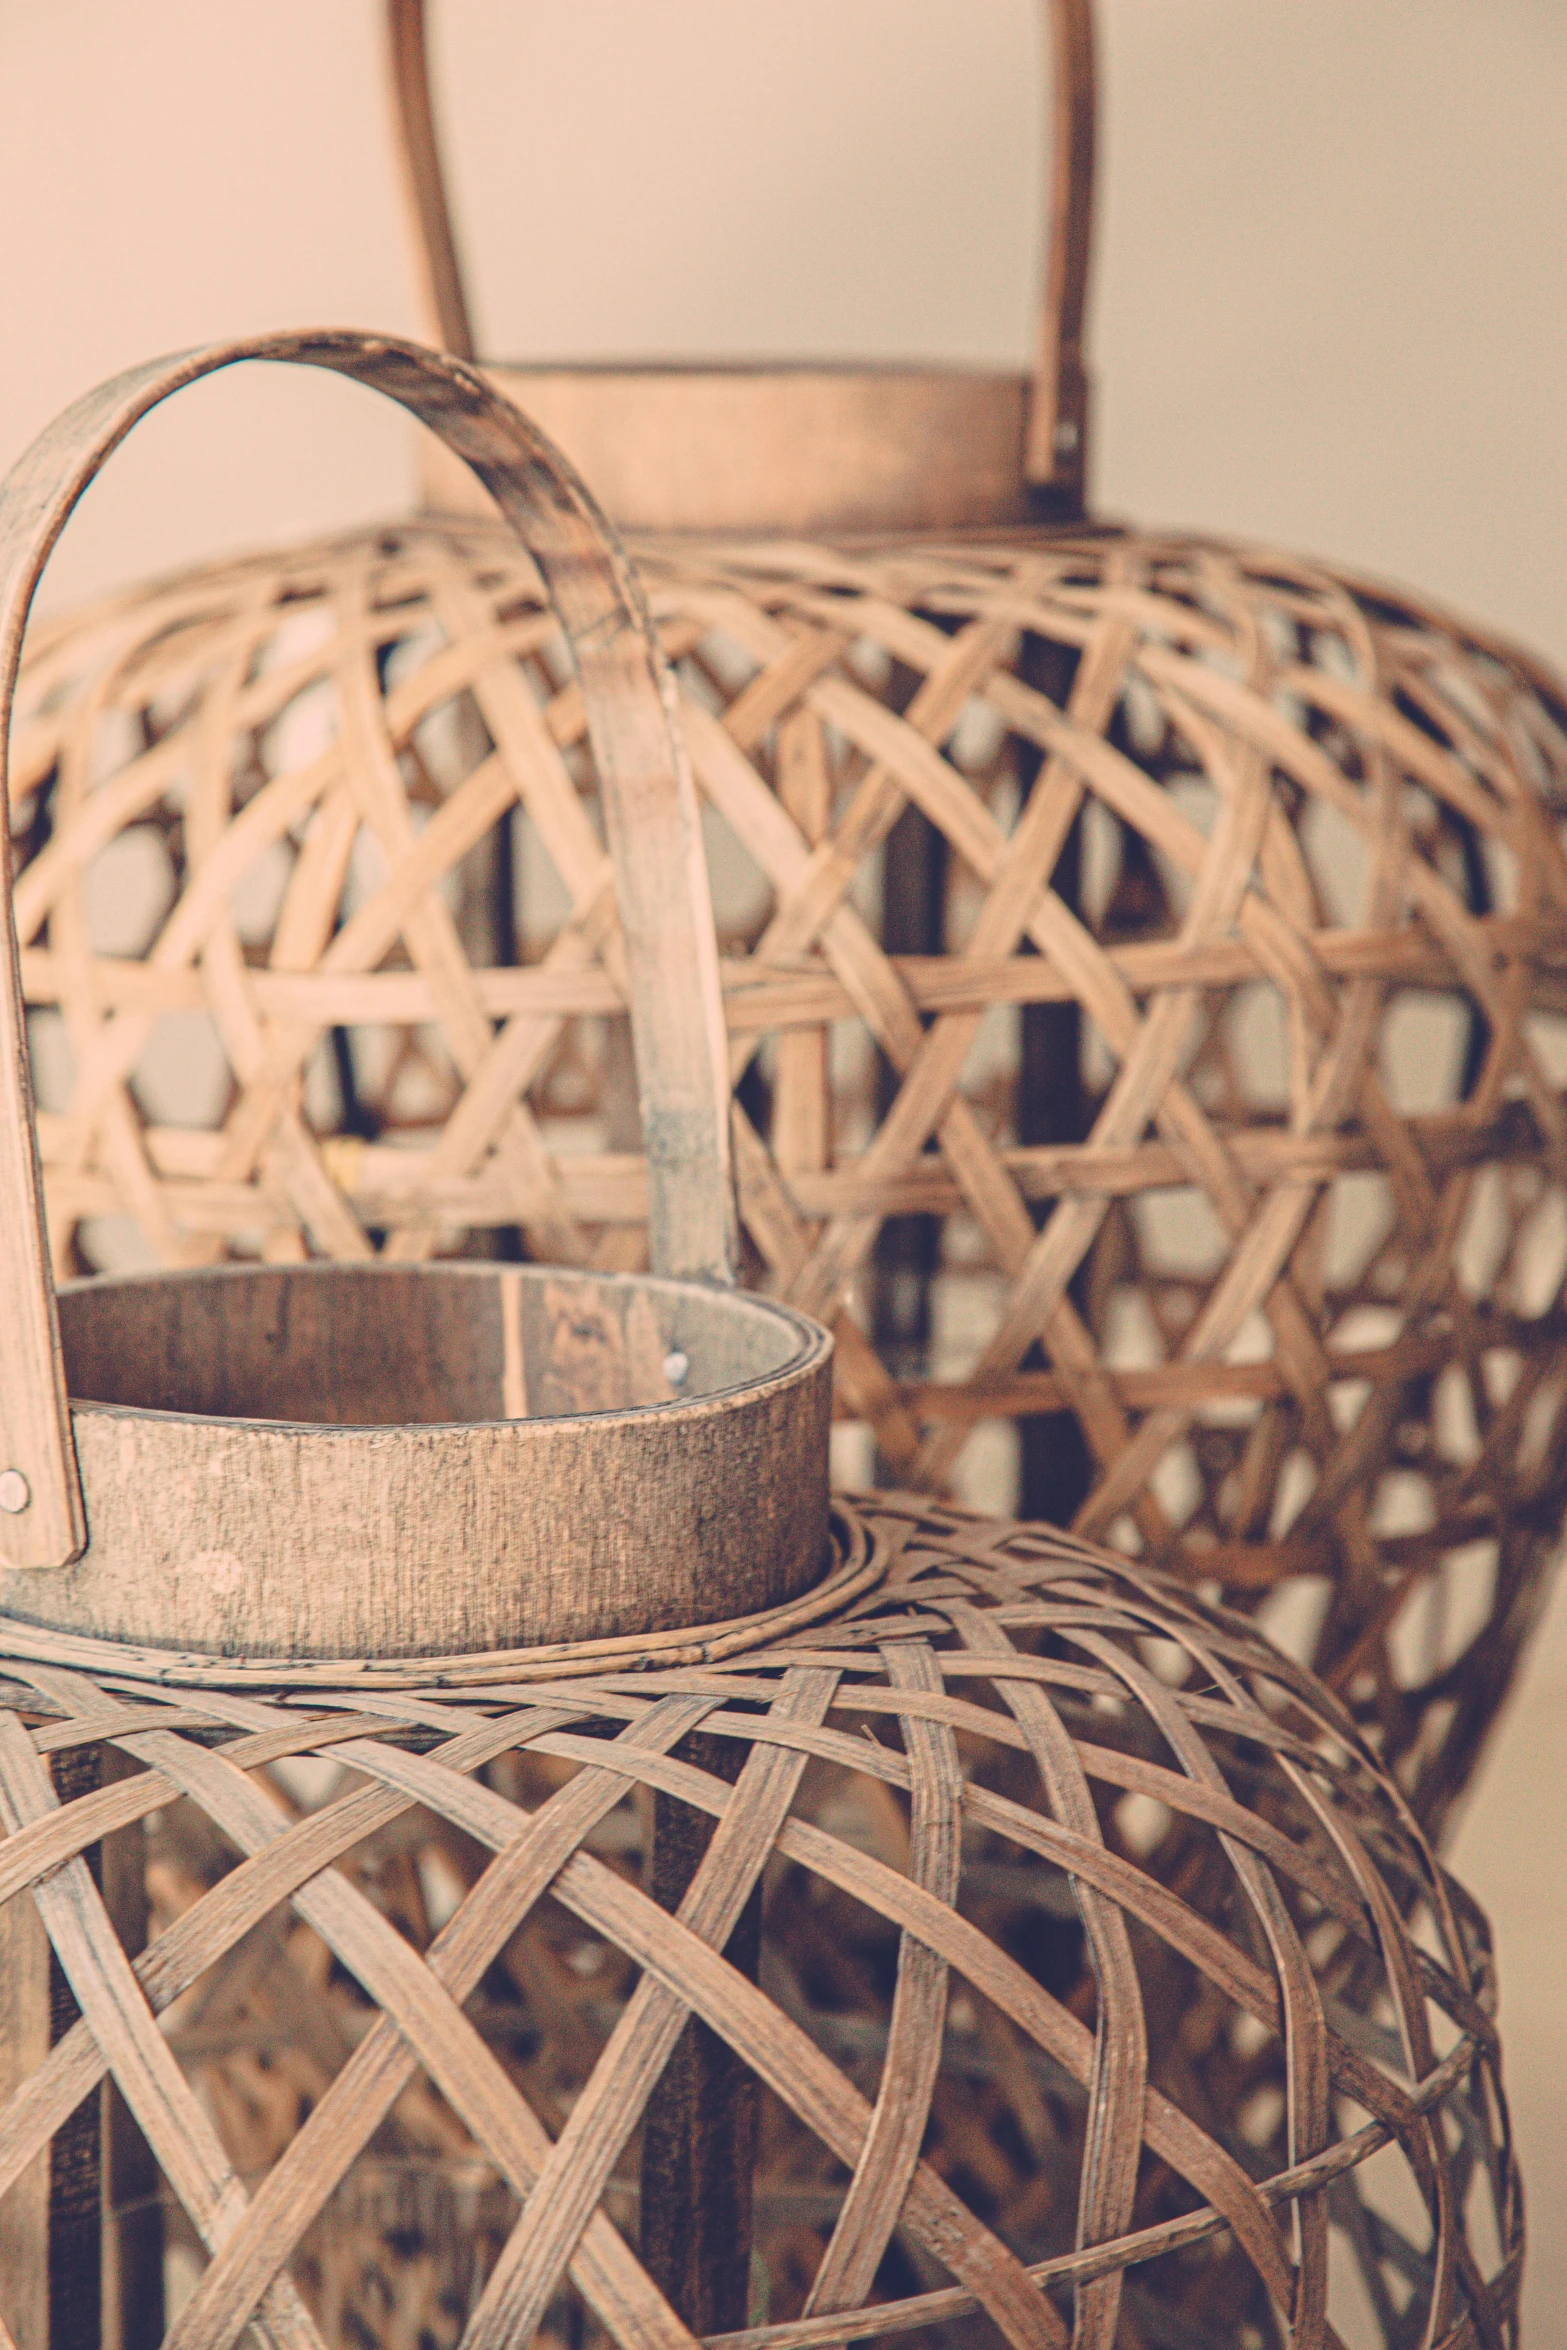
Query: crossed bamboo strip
point(1010, 1666)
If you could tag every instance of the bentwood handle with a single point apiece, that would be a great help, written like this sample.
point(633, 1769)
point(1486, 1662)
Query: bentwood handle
point(650, 802)
point(1058, 407)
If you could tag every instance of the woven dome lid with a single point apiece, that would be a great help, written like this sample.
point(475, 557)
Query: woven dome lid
point(1102, 1970)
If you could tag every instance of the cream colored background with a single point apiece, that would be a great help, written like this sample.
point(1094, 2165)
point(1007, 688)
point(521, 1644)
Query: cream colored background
point(1330, 308)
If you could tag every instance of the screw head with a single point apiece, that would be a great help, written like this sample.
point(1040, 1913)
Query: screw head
point(676, 1365)
point(15, 1492)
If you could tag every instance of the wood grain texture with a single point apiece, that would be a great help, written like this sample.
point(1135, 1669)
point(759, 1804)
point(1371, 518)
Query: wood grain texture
point(805, 449)
point(980, 1971)
point(320, 1461)
point(853, 1566)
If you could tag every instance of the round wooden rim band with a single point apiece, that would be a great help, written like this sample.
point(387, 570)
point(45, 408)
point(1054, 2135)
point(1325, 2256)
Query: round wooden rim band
point(1057, 418)
point(671, 954)
point(858, 1564)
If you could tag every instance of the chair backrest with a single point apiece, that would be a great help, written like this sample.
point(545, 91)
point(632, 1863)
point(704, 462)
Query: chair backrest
point(654, 836)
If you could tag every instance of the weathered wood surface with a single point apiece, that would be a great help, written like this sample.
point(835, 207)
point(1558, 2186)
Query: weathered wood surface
point(323, 1461)
point(804, 449)
point(670, 953)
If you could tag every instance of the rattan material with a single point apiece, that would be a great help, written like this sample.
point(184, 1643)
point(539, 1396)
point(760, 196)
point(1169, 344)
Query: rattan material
point(1057, 1866)
point(1300, 1282)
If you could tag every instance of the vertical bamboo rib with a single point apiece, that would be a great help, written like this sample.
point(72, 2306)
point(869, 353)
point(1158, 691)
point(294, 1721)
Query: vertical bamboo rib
point(699, 2130)
point(1055, 1464)
point(25, 1964)
point(75, 2239)
point(133, 2311)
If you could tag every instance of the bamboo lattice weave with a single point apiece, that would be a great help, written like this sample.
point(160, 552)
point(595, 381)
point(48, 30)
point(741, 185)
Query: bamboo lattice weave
point(1055, 1865)
point(1279, 1226)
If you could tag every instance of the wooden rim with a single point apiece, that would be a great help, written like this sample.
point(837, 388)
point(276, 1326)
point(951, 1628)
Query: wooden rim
point(1055, 442)
point(859, 1563)
point(797, 452)
point(813, 1343)
point(397, 1460)
point(671, 954)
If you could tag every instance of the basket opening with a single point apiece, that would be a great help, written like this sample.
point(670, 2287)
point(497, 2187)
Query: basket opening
point(392, 1346)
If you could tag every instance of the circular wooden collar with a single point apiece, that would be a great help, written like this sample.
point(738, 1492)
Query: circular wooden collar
point(389, 1460)
point(857, 1564)
point(799, 451)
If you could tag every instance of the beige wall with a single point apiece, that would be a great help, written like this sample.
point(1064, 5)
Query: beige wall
point(1329, 302)
point(1330, 309)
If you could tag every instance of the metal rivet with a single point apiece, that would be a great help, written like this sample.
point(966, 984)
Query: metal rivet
point(15, 1492)
point(676, 1365)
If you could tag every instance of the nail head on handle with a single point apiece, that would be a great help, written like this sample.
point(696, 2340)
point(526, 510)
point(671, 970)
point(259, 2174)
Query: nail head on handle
point(15, 1492)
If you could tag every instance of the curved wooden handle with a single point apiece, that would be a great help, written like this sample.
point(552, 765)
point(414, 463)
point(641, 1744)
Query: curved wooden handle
point(655, 840)
point(1056, 449)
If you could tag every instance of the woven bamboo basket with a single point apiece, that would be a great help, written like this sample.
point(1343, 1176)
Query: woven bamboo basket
point(1142, 957)
point(943, 1928)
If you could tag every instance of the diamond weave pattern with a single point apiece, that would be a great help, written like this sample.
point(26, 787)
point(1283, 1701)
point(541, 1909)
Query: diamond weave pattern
point(1105, 1985)
point(1209, 1120)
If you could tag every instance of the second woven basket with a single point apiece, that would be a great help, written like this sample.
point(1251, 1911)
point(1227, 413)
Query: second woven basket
point(1143, 962)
